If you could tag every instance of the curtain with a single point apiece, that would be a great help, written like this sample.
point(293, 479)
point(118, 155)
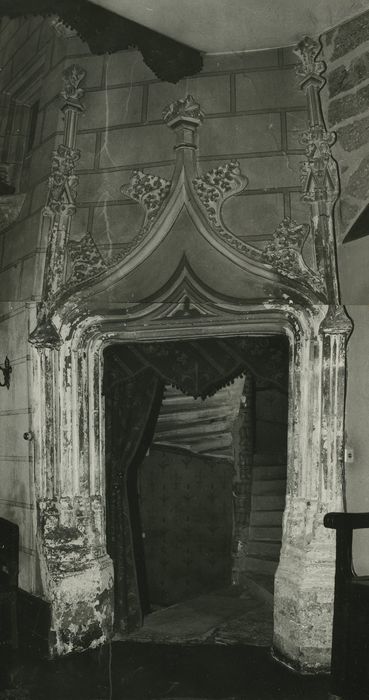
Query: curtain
point(132, 408)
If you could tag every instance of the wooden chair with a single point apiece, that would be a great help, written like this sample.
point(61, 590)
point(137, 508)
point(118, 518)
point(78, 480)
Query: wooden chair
point(350, 643)
point(9, 567)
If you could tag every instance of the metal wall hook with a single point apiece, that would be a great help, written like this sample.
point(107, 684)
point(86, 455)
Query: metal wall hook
point(6, 370)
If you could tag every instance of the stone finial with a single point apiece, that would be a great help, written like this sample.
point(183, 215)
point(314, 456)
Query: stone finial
point(72, 78)
point(185, 110)
point(309, 69)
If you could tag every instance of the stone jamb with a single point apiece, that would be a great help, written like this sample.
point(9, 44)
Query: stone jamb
point(70, 470)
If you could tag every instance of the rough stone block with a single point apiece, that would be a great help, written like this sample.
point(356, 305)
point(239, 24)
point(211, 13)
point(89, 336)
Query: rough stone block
point(240, 60)
point(297, 122)
point(112, 107)
point(349, 106)
point(342, 78)
point(354, 135)
point(135, 145)
point(212, 93)
point(358, 184)
point(253, 215)
point(116, 224)
point(264, 90)
point(348, 36)
point(125, 67)
point(347, 212)
point(353, 272)
point(240, 134)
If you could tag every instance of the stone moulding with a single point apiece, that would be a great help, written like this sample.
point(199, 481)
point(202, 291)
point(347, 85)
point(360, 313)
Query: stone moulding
point(206, 194)
point(68, 421)
point(70, 464)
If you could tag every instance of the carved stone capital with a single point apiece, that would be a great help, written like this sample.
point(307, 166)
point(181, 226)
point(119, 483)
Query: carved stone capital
point(284, 253)
point(337, 322)
point(309, 69)
point(62, 182)
point(185, 110)
point(72, 92)
point(216, 186)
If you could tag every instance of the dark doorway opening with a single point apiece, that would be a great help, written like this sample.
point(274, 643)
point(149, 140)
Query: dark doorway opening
point(196, 437)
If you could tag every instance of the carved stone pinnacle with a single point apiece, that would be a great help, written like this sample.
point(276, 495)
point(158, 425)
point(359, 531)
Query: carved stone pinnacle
point(307, 50)
point(72, 77)
point(185, 109)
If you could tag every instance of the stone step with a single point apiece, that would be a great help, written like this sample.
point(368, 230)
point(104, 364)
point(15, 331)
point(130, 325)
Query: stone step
point(266, 533)
point(262, 585)
point(264, 549)
point(269, 486)
point(260, 565)
point(270, 472)
point(268, 502)
point(268, 518)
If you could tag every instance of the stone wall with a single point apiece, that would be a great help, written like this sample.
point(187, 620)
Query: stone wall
point(346, 106)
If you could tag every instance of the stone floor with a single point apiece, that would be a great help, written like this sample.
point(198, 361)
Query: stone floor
point(216, 646)
point(227, 616)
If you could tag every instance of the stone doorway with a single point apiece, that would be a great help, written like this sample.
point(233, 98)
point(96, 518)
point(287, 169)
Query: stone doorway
point(205, 487)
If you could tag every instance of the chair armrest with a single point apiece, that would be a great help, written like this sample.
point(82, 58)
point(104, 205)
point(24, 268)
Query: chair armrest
point(346, 521)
